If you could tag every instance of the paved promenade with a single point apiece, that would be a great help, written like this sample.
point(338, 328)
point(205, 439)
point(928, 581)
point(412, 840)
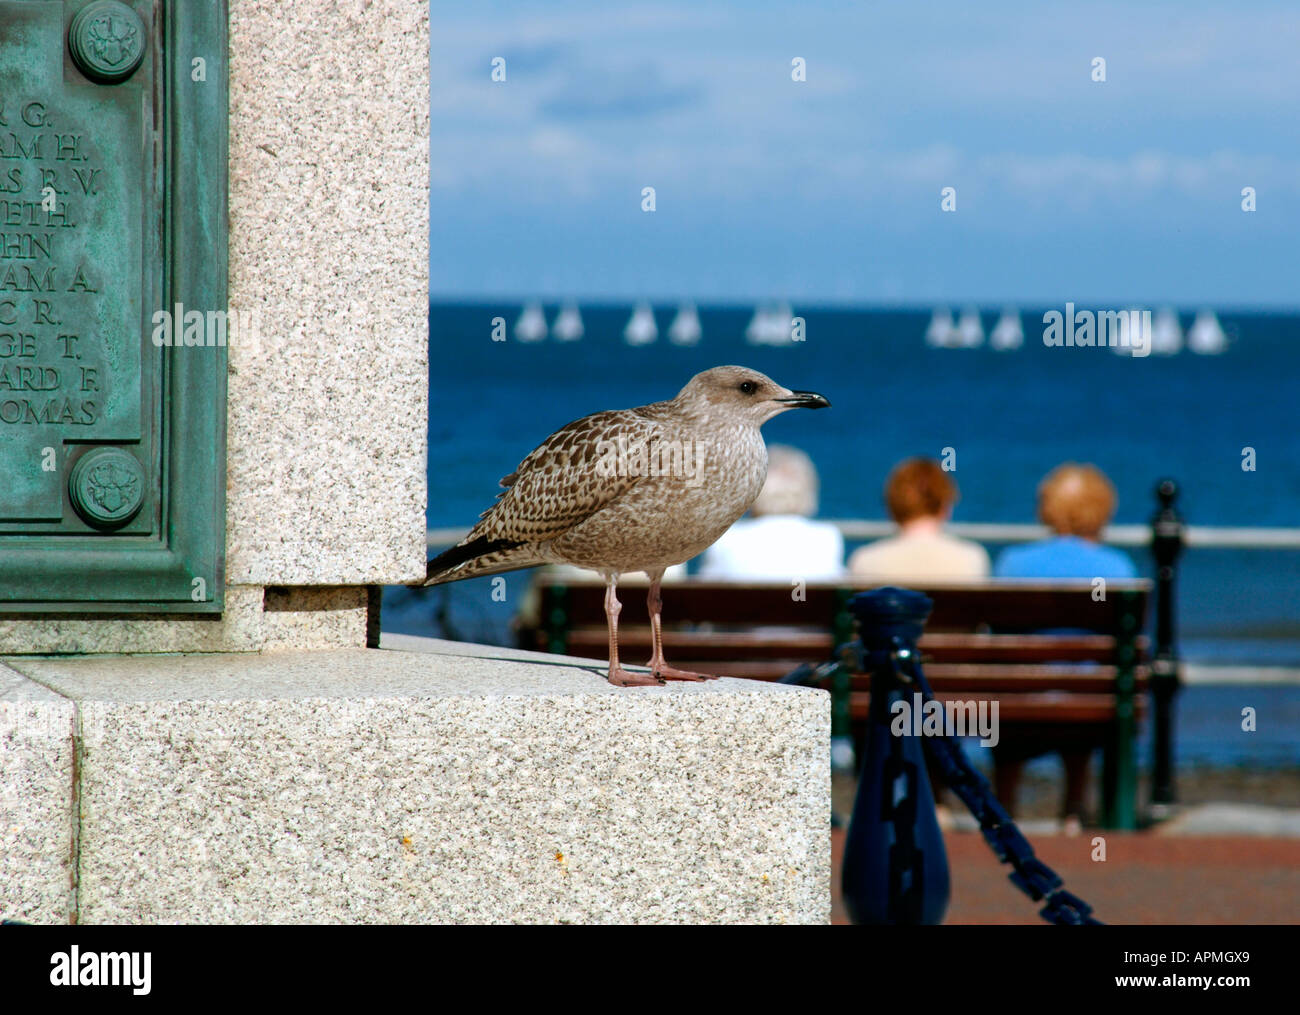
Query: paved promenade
point(1147, 878)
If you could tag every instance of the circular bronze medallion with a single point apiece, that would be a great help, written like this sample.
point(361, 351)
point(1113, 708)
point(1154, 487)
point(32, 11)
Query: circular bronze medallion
point(107, 487)
point(107, 41)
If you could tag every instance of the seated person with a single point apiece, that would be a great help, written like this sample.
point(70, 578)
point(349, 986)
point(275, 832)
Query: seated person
point(920, 496)
point(1075, 502)
point(779, 540)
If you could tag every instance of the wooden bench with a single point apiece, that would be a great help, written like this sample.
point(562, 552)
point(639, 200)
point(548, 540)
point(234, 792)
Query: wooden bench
point(1072, 690)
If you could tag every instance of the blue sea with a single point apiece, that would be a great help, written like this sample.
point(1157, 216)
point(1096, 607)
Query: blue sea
point(1009, 416)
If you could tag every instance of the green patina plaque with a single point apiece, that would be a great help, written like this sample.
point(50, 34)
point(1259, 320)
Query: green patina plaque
point(112, 239)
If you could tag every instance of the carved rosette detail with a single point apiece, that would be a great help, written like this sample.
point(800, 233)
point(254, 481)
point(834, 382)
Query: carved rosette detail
point(107, 487)
point(107, 41)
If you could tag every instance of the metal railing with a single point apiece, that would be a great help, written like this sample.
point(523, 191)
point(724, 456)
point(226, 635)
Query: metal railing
point(1196, 536)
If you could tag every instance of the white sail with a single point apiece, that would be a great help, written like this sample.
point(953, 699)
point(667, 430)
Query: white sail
point(771, 326)
point(1166, 333)
point(641, 328)
point(685, 329)
point(940, 332)
point(782, 324)
point(970, 332)
point(531, 326)
point(568, 325)
point(1206, 335)
point(1008, 333)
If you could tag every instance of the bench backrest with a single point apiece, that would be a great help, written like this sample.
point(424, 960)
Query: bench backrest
point(744, 623)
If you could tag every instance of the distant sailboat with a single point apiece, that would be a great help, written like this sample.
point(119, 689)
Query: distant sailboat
point(1166, 333)
point(781, 323)
point(970, 332)
point(531, 326)
point(771, 326)
point(1206, 335)
point(1007, 334)
point(641, 328)
point(940, 333)
point(685, 329)
point(568, 325)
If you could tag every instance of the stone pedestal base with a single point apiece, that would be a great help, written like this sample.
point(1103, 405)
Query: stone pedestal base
point(426, 782)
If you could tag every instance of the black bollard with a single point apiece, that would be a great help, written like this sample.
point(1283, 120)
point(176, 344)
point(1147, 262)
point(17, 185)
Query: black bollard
point(895, 868)
point(1166, 545)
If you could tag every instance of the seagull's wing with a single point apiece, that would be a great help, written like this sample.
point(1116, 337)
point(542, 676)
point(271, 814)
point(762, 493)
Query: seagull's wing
point(573, 474)
point(568, 478)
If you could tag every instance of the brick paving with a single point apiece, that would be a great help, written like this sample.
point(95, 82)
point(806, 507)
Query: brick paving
point(1145, 879)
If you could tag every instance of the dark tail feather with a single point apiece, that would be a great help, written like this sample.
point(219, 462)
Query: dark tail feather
point(485, 556)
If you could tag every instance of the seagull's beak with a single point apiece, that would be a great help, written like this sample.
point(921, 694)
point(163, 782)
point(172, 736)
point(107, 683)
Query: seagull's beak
point(804, 400)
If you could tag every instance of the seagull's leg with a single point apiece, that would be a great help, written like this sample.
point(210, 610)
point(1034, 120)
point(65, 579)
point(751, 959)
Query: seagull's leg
point(617, 675)
point(654, 606)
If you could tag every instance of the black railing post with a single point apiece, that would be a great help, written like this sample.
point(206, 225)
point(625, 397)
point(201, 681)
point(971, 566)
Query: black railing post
point(1121, 777)
point(1166, 545)
point(895, 867)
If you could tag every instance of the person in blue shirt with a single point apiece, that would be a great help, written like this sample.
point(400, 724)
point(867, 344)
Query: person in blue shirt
point(1075, 502)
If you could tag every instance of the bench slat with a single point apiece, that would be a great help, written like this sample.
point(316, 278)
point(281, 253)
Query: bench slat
point(1003, 605)
point(965, 647)
point(1082, 709)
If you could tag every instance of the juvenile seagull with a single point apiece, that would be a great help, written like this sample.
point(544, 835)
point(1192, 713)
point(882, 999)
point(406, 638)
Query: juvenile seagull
point(630, 490)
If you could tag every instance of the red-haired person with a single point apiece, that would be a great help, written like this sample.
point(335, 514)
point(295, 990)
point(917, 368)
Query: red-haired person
point(920, 497)
point(1075, 502)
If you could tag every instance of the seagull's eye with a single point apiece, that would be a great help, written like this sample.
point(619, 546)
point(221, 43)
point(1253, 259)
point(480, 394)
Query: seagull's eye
point(749, 387)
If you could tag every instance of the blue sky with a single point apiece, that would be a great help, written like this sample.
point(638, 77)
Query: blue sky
point(828, 190)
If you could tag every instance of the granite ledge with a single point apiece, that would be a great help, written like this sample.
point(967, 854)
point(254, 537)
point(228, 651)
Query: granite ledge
point(441, 783)
point(404, 667)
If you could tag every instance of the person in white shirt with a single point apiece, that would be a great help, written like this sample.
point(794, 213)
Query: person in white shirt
point(920, 498)
point(779, 540)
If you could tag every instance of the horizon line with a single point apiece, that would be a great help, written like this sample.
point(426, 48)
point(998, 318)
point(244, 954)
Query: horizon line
point(880, 306)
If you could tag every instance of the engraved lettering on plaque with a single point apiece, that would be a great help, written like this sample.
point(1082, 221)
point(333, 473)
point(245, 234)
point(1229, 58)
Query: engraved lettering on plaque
point(71, 275)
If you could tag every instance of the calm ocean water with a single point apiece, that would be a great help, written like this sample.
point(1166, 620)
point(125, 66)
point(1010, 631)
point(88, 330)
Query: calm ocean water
point(1010, 416)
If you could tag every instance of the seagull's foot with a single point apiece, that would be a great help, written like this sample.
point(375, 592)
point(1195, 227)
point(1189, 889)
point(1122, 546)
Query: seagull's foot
point(625, 678)
point(666, 672)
